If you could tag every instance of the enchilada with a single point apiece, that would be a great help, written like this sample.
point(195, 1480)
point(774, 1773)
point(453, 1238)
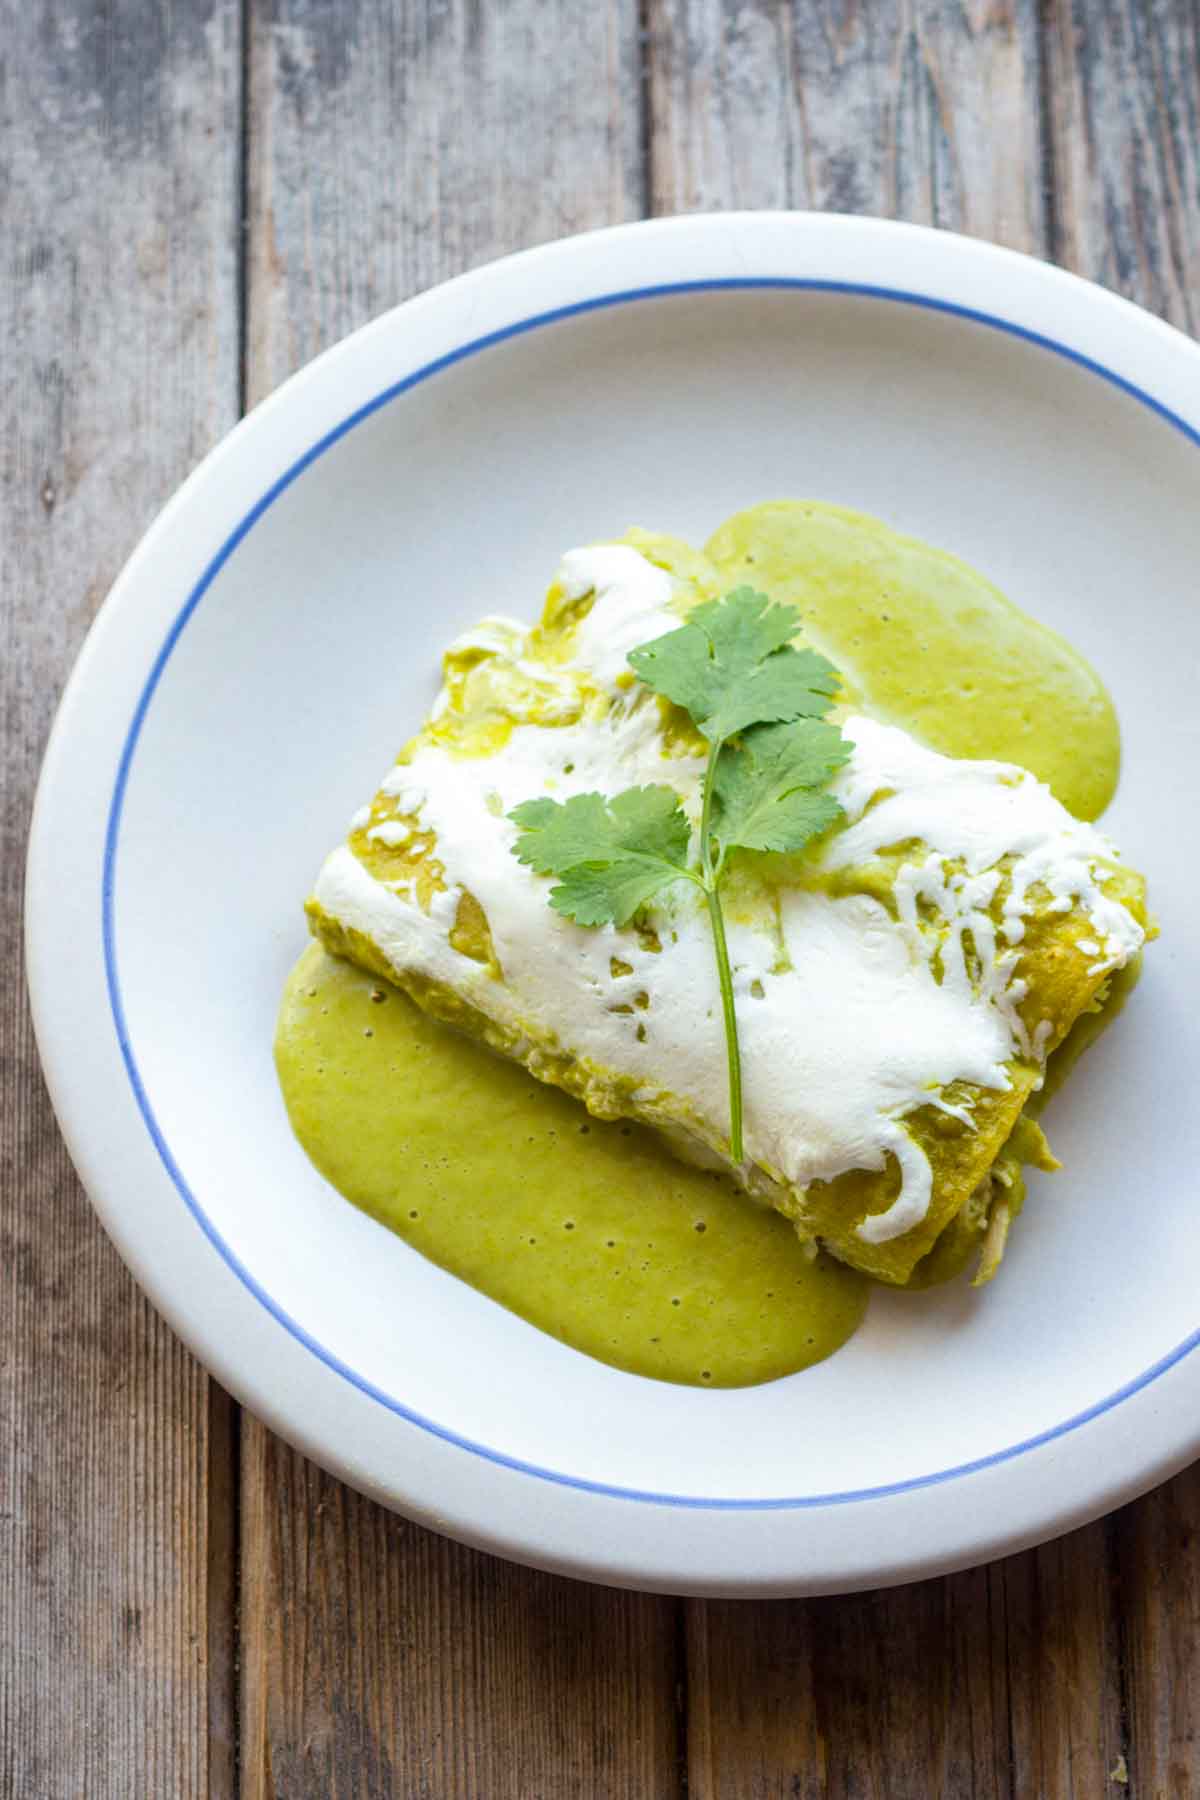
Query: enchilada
point(899, 985)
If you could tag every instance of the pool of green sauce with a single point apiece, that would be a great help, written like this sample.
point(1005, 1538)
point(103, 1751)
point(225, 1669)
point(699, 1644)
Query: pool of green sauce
point(924, 641)
point(592, 1231)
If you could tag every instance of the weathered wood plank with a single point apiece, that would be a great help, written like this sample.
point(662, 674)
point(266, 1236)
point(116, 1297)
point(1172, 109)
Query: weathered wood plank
point(392, 146)
point(387, 1661)
point(897, 1695)
point(1157, 1551)
point(1004, 1681)
point(999, 1682)
point(912, 110)
point(118, 368)
point(1062, 1645)
point(1124, 121)
point(396, 145)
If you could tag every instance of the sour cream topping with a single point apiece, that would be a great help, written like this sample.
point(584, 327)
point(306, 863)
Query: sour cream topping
point(632, 605)
point(850, 1018)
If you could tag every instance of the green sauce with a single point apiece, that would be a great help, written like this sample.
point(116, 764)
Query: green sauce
point(593, 1231)
point(924, 641)
point(1088, 1027)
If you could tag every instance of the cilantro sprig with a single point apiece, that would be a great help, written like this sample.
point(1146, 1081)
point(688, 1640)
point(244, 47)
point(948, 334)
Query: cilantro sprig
point(760, 703)
point(614, 854)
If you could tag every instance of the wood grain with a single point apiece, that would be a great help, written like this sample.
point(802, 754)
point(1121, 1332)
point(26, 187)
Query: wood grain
point(912, 110)
point(1157, 1554)
point(1068, 1729)
point(391, 146)
point(887, 1695)
point(394, 145)
point(1124, 146)
point(999, 1682)
point(386, 1661)
point(118, 369)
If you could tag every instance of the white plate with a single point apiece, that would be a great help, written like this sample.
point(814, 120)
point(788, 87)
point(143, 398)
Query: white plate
point(275, 638)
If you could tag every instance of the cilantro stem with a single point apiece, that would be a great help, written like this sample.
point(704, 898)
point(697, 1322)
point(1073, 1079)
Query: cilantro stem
point(733, 668)
point(710, 879)
point(736, 1152)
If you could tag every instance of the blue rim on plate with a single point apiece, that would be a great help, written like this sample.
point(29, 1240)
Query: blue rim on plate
point(112, 835)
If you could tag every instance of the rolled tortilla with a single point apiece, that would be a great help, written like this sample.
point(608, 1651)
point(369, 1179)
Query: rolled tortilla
point(898, 988)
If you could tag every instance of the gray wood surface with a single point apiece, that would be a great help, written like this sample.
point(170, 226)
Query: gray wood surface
point(850, 108)
point(194, 200)
point(118, 368)
point(1123, 148)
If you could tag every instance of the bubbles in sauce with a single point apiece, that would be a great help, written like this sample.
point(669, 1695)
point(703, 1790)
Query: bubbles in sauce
point(589, 1230)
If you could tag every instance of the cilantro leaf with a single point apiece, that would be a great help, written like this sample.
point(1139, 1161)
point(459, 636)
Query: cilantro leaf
point(608, 893)
point(766, 794)
point(734, 668)
point(556, 835)
point(732, 665)
point(611, 856)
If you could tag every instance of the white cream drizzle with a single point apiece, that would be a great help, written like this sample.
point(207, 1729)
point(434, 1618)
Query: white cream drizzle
point(840, 1041)
point(391, 832)
point(632, 606)
point(494, 635)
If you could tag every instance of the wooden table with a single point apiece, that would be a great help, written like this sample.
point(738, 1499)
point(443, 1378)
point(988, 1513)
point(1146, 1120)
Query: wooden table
point(195, 198)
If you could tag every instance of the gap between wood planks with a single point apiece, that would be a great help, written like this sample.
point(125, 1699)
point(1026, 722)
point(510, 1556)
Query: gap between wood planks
point(224, 1485)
